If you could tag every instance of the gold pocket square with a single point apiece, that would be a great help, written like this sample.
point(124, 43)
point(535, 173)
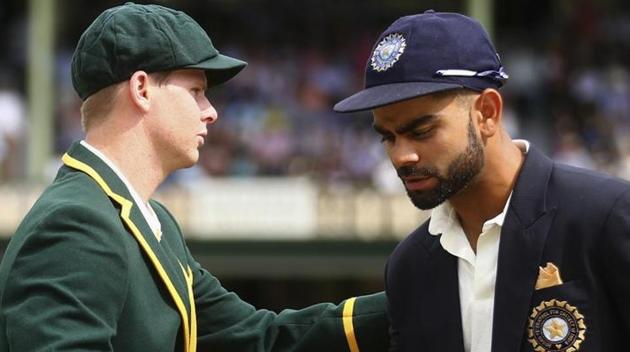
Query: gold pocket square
point(548, 276)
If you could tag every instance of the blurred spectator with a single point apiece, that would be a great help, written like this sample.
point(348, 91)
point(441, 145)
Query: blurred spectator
point(568, 92)
point(12, 127)
point(570, 151)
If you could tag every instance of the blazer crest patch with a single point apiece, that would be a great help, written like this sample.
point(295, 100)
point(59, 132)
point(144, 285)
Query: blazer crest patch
point(556, 326)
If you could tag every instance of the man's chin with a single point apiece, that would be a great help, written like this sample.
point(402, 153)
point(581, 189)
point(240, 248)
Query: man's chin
point(425, 200)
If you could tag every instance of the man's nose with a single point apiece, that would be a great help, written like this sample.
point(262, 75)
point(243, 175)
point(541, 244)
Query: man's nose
point(209, 113)
point(403, 153)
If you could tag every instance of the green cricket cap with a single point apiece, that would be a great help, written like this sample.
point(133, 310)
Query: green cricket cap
point(152, 38)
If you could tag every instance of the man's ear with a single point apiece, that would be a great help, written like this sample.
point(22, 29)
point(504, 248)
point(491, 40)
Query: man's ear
point(139, 90)
point(489, 106)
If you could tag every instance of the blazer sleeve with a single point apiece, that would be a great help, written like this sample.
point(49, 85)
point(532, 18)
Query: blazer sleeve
point(226, 323)
point(616, 256)
point(66, 285)
point(393, 314)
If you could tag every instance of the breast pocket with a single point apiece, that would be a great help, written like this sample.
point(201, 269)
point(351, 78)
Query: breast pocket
point(559, 319)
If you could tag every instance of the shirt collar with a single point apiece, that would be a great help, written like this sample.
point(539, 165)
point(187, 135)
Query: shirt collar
point(522, 144)
point(145, 208)
point(444, 221)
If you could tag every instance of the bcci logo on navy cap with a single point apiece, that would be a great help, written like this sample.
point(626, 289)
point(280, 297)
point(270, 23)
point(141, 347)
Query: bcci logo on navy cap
point(388, 51)
point(424, 54)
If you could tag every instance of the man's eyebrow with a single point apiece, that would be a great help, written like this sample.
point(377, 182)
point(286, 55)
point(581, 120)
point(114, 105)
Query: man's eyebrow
point(203, 83)
point(379, 130)
point(418, 121)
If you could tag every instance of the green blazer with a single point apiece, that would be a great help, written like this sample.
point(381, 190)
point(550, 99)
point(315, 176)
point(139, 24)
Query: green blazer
point(84, 272)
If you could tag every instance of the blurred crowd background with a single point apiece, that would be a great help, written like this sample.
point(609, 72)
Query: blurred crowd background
point(568, 92)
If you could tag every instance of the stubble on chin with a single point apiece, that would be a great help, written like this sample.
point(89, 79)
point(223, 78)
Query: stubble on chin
point(461, 172)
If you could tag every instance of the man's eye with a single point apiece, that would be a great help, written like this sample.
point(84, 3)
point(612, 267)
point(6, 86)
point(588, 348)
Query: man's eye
point(386, 138)
point(423, 133)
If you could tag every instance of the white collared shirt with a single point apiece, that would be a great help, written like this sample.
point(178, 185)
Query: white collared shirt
point(477, 273)
point(145, 208)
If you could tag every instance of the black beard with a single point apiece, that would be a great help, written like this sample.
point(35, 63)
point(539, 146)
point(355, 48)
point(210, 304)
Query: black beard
point(461, 171)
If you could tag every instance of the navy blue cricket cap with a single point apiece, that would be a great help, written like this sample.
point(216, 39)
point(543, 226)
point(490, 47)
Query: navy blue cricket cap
point(424, 54)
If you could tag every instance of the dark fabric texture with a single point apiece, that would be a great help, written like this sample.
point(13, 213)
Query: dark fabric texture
point(577, 219)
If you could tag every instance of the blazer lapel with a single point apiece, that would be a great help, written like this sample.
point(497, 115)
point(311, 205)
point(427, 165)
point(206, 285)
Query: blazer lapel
point(523, 239)
point(440, 300)
point(171, 274)
point(167, 258)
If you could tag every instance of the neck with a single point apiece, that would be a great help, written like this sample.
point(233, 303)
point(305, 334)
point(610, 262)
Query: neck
point(486, 197)
point(141, 169)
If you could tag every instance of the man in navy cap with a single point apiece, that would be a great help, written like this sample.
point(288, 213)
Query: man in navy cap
point(520, 253)
point(97, 265)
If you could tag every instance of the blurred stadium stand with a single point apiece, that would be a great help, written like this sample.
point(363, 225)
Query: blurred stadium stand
point(292, 203)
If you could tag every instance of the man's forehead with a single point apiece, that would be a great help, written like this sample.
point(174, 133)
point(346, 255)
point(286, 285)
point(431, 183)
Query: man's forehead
point(196, 75)
point(413, 108)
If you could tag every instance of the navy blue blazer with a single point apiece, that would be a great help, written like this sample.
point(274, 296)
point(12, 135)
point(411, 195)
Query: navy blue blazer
point(577, 219)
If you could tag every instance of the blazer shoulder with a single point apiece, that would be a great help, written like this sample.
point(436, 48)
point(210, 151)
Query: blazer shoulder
point(586, 186)
point(70, 215)
point(419, 238)
point(72, 201)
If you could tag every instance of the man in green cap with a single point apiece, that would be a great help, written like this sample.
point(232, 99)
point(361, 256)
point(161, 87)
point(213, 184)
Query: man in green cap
point(97, 265)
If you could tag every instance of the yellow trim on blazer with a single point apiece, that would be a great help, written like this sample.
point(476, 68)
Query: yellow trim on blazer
point(188, 275)
point(125, 213)
point(348, 327)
